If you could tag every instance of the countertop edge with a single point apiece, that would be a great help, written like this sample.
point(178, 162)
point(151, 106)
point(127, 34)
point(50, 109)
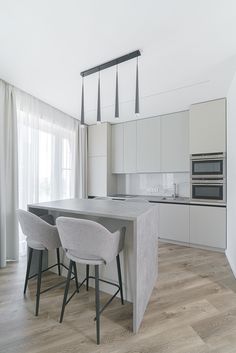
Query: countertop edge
point(175, 202)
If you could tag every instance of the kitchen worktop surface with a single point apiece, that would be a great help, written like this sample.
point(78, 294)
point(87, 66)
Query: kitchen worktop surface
point(99, 208)
point(169, 199)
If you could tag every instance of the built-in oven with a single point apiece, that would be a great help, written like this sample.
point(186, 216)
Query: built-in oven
point(211, 165)
point(208, 190)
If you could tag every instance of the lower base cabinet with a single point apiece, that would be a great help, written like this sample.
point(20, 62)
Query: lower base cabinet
point(174, 222)
point(196, 225)
point(208, 226)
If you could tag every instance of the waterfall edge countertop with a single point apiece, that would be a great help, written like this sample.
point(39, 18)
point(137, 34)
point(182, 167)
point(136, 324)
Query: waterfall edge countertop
point(141, 242)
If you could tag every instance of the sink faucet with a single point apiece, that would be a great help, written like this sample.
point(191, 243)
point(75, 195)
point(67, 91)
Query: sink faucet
point(175, 194)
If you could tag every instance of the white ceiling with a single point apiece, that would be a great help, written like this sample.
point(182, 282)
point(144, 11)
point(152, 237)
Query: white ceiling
point(188, 51)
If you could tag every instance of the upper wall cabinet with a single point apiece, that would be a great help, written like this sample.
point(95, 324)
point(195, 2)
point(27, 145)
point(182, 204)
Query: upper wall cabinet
point(148, 145)
point(97, 140)
point(130, 147)
point(208, 127)
point(118, 148)
point(175, 142)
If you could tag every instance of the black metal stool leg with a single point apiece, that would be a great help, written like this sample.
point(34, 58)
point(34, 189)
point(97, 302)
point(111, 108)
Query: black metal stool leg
point(66, 290)
point(39, 281)
point(120, 278)
point(97, 303)
point(76, 276)
point(58, 261)
point(87, 277)
point(28, 268)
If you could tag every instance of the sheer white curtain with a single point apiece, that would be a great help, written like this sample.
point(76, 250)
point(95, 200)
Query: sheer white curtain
point(51, 153)
point(8, 175)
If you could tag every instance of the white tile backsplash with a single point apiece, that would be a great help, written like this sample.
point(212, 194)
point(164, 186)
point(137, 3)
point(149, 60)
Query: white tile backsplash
point(154, 184)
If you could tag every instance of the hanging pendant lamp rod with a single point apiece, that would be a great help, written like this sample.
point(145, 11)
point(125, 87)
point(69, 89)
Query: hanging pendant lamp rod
point(111, 63)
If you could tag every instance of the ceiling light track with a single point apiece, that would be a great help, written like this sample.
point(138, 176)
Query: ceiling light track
point(111, 63)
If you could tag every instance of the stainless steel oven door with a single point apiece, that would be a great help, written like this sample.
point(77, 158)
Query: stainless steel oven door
point(208, 190)
point(208, 168)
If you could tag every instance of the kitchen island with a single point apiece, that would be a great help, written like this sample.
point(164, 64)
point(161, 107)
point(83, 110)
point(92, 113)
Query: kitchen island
point(139, 258)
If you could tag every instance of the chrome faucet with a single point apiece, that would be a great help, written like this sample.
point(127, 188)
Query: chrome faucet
point(175, 194)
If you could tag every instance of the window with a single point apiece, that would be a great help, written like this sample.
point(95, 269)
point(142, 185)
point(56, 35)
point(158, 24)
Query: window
point(46, 160)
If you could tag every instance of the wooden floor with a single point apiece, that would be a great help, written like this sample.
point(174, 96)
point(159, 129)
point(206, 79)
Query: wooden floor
point(192, 310)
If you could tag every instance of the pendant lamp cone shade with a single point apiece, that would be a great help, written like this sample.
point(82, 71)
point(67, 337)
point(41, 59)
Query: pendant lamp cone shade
point(99, 102)
point(117, 95)
point(137, 91)
point(82, 104)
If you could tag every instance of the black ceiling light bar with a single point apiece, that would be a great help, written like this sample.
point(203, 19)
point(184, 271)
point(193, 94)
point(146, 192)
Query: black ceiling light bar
point(111, 63)
point(99, 68)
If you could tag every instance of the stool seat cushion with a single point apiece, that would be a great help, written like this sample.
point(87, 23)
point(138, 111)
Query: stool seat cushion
point(35, 244)
point(86, 259)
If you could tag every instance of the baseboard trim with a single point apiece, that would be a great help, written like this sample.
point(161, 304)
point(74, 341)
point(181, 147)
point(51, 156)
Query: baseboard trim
point(230, 263)
point(190, 245)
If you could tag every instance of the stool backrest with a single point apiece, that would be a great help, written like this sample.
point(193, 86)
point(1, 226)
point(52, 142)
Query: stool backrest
point(87, 239)
point(38, 230)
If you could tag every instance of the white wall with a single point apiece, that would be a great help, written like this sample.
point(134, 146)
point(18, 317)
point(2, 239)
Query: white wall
point(231, 176)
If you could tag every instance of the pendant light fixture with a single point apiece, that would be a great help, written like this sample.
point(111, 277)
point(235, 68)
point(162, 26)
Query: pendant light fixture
point(137, 91)
point(104, 66)
point(99, 101)
point(117, 95)
point(82, 104)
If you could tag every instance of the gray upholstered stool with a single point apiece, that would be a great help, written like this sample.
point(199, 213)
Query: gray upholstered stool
point(41, 235)
point(88, 242)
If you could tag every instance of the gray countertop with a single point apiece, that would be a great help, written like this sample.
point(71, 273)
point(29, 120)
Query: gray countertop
point(140, 247)
point(99, 208)
point(168, 199)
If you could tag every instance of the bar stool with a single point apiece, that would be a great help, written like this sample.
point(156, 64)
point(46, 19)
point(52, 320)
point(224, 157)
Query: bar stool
point(88, 242)
point(41, 235)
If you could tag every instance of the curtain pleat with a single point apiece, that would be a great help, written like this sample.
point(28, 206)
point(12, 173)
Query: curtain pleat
point(9, 242)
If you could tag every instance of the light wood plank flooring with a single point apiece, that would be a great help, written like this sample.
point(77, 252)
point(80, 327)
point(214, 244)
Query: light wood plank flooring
point(192, 310)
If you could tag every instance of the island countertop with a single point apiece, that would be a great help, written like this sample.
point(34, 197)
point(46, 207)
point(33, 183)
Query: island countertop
point(100, 208)
point(139, 259)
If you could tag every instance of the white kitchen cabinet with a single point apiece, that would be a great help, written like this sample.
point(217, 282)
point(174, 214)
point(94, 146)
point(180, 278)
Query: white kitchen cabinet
point(101, 181)
point(207, 127)
point(130, 147)
point(97, 176)
point(208, 226)
point(97, 140)
point(175, 142)
point(174, 222)
point(148, 145)
point(118, 148)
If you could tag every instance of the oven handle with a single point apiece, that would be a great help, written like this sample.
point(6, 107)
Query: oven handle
point(207, 182)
